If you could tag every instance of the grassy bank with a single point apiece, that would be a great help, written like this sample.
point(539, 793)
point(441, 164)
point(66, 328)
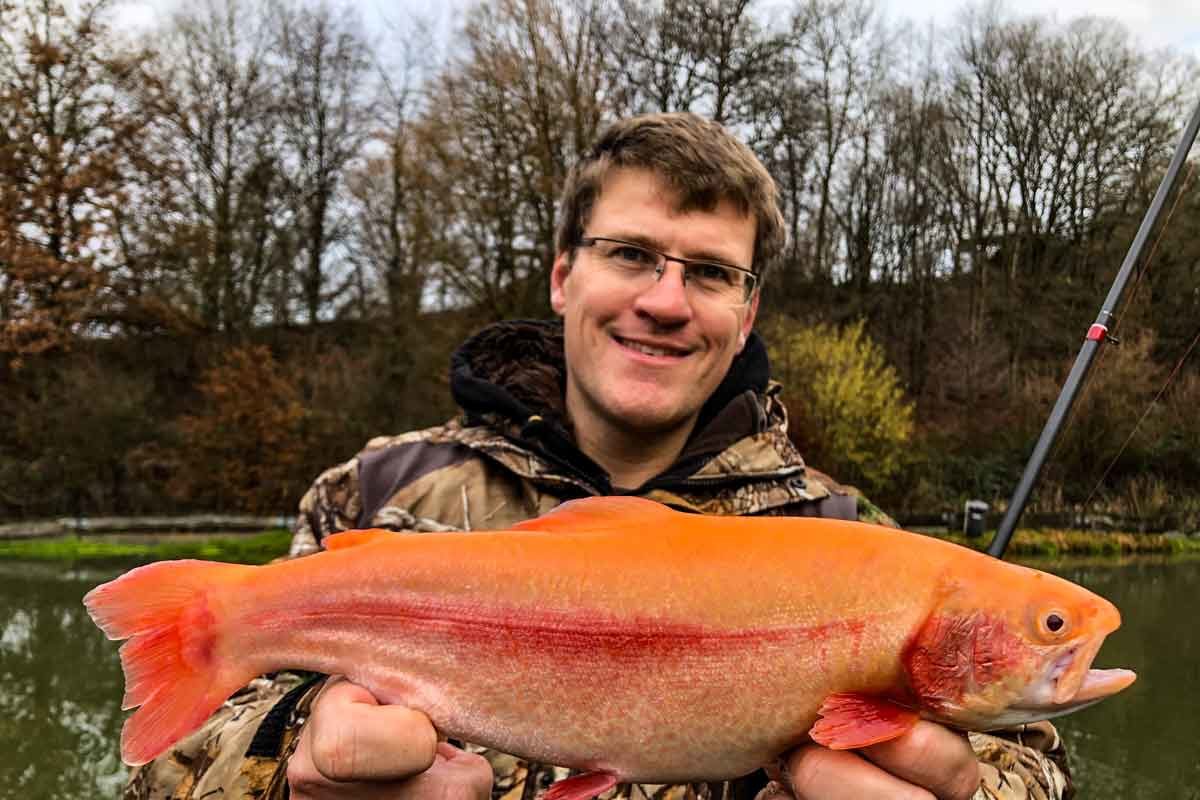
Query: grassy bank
point(1052, 543)
point(254, 549)
point(263, 547)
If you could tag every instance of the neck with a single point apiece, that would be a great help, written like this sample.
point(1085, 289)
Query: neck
point(629, 457)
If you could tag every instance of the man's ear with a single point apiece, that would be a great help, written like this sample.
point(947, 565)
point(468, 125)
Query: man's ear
point(748, 322)
point(558, 278)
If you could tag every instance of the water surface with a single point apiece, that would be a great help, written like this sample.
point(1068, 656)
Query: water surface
point(60, 688)
point(60, 716)
point(1144, 742)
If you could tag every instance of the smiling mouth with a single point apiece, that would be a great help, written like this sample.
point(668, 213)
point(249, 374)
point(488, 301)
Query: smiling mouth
point(650, 350)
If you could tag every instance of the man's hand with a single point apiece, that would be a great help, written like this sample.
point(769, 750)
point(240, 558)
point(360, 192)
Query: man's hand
point(354, 747)
point(928, 762)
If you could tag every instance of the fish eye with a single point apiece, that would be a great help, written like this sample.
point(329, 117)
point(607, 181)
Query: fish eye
point(1054, 622)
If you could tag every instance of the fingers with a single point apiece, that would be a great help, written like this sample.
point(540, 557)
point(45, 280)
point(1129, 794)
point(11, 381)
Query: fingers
point(354, 747)
point(351, 737)
point(928, 762)
point(818, 773)
point(455, 775)
point(931, 756)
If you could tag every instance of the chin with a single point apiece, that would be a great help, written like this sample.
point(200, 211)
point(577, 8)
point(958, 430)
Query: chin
point(650, 420)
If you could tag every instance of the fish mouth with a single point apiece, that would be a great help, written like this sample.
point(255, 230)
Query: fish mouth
point(1098, 684)
point(1070, 683)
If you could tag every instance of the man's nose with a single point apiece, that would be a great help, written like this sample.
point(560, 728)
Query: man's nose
point(666, 300)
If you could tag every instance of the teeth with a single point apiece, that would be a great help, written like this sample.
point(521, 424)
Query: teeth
point(648, 350)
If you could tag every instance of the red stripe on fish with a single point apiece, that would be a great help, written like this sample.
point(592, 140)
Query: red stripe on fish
point(563, 633)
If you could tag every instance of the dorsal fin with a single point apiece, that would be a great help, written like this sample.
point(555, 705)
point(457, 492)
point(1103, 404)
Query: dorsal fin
point(344, 539)
point(590, 513)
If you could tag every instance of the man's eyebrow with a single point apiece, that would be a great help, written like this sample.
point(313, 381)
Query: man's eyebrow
point(656, 244)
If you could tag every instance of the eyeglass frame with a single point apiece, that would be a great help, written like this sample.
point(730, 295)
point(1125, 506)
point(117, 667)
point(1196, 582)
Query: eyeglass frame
point(753, 281)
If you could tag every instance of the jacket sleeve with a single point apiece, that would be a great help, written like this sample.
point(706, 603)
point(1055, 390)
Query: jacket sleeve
point(337, 498)
point(218, 759)
point(242, 750)
point(833, 496)
point(333, 503)
point(1027, 762)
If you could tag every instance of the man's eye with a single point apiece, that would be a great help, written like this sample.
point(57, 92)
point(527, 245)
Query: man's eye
point(634, 255)
point(714, 273)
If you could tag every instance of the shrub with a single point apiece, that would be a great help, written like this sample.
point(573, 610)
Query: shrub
point(240, 448)
point(850, 415)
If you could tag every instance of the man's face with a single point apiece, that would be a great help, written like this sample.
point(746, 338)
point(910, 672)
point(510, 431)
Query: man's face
point(645, 359)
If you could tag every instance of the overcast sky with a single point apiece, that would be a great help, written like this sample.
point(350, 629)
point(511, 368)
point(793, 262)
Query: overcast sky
point(1156, 23)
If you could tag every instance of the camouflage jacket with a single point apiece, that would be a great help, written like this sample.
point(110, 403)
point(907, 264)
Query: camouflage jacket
point(510, 457)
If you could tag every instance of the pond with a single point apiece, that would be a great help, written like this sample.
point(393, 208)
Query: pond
point(61, 686)
point(1142, 744)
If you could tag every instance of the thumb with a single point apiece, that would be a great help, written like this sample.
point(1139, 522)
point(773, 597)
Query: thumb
point(352, 737)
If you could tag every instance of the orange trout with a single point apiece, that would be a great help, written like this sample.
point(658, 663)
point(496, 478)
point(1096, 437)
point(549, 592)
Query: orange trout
point(622, 638)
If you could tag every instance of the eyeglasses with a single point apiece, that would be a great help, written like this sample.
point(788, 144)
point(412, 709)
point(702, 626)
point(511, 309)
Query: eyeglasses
point(710, 280)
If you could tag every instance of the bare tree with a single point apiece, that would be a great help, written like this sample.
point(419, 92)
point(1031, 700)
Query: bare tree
point(1047, 116)
point(709, 56)
point(323, 61)
point(914, 211)
point(504, 123)
point(215, 223)
point(839, 51)
point(393, 196)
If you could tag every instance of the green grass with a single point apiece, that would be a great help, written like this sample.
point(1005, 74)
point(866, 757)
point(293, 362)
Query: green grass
point(1053, 543)
point(263, 547)
point(255, 549)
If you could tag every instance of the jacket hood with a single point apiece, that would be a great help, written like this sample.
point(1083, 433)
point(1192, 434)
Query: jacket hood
point(512, 375)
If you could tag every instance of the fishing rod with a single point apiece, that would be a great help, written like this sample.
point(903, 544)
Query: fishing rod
point(1096, 336)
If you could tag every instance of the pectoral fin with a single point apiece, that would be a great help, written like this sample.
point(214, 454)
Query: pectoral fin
point(581, 787)
point(850, 720)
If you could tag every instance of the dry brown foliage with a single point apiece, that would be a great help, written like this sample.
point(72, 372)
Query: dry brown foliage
point(241, 446)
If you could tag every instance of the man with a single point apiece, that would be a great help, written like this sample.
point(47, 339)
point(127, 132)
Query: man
point(655, 385)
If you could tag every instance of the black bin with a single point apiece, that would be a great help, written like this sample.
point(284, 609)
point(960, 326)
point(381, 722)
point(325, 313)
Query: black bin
point(974, 517)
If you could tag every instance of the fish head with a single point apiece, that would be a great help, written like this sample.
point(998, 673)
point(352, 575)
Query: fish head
point(1008, 645)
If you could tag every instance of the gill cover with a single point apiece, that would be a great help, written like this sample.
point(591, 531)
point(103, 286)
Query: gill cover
point(959, 658)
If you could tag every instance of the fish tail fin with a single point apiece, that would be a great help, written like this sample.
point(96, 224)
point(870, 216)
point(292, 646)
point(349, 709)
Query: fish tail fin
point(172, 660)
